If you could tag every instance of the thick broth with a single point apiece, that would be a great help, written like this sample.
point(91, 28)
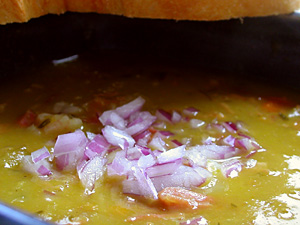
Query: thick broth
point(268, 193)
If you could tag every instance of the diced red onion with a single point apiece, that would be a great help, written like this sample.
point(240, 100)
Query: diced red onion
point(41, 168)
point(184, 176)
point(69, 149)
point(120, 164)
point(229, 140)
point(71, 142)
point(176, 143)
point(159, 125)
point(43, 171)
point(146, 161)
point(143, 138)
point(171, 155)
point(213, 151)
point(231, 168)
point(128, 109)
point(195, 157)
point(105, 117)
point(143, 121)
point(195, 123)
point(176, 117)
point(215, 126)
point(191, 111)
point(157, 143)
point(90, 135)
point(145, 183)
point(209, 141)
point(165, 133)
point(163, 115)
point(133, 153)
point(117, 121)
point(246, 144)
point(230, 126)
point(97, 146)
point(163, 169)
point(91, 171)
point(131, 186)
point(117, 137)
point(40, 154)
point(197, 221)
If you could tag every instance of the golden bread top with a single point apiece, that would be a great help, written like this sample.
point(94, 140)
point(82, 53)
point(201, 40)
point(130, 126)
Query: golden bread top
point(207, 10)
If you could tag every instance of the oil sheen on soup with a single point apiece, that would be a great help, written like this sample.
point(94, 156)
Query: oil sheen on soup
point(85, 142)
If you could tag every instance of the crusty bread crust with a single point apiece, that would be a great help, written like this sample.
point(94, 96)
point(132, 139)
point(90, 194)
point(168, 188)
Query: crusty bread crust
point(23, 10)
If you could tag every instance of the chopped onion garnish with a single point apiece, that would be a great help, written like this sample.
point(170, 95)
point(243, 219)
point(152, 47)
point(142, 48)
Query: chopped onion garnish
point(231, 168)
point(195, 123)
point(163, 169)
point(191, 111)
point(157, 143)
point(128, 109)
point(69, 149)
point(171, 155)
point(176, 117)
point(91, 171)
point(163, 115)
point(118, 137)
point(197, 221)
point(147, 159)
point(41, 167)
point(141, 122)
point(40, 154)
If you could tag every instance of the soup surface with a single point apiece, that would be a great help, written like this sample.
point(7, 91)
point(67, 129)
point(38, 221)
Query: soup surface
point(257, 184)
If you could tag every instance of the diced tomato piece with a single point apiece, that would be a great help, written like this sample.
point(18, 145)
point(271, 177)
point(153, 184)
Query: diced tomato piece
point(27, 119)
point(176, 197)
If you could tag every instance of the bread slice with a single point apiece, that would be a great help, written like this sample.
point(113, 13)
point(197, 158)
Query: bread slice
point(23, 10)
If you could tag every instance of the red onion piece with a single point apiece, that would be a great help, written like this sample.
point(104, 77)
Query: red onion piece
point(229, 140)
point(157, 143)
point(141, 122)
point(176, 143)
point(105, 117)
point(43, 171)
point(71, 142)
point(195, 158)
point(171, 155)
point(176, 117)
point(145, 183)
point(184, 176)
point(146, 161)
point(215, 126)
point(230, 126)
point(191, 111)
point(117, 137)
point(69, 149)
point(97, 146)
point(128, 109)
point(163, 169)
point(91, 171)
point(195, 123)
point(231, 168)
point(133, 153)
point(213, 151)
point(40, 168)
point(117, 121)
point(246, 144)
point(163, 115)
point(165, 133)
point(197, 221)
point(40, 154)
